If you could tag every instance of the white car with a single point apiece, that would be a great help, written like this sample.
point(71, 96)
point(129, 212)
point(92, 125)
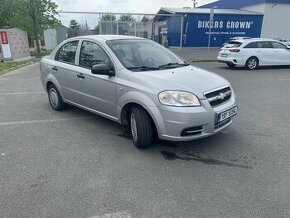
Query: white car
point(252, 53)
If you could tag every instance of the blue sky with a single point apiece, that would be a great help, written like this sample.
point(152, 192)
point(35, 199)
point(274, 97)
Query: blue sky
point(125, 6)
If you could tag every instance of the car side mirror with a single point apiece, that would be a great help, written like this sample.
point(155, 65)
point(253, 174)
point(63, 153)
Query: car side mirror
point(103, 69)
point(288, 48)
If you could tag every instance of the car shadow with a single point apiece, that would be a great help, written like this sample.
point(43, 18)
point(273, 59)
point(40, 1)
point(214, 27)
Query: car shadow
point(214, 150)
point(263, 68)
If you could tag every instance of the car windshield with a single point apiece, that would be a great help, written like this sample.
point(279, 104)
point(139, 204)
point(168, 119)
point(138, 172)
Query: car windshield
point(142, 55)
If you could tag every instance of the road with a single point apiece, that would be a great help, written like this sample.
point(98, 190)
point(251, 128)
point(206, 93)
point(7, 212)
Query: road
point(76, 164)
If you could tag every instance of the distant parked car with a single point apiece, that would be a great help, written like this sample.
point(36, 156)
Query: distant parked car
point(252, 53)
point(139, 83)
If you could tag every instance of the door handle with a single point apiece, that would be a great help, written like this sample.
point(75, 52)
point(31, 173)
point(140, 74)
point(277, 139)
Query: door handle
point(54, 68)
point(81, 76)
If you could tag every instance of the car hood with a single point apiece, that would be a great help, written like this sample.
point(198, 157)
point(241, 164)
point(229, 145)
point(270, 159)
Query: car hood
point(189, 78)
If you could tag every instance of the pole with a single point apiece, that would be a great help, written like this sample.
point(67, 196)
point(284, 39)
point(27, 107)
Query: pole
point(211, 19)
point(194, 3)
point(181, 30)
point(100, 25)
point(117, 28)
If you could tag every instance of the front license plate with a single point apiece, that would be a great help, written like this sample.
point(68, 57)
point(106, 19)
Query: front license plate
point(226, 114)
point(224, 55)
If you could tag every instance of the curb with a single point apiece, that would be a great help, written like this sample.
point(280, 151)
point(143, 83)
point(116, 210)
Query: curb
point(4, 72)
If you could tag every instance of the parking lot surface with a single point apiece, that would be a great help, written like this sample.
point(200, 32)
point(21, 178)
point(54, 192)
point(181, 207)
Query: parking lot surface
point(76, 164)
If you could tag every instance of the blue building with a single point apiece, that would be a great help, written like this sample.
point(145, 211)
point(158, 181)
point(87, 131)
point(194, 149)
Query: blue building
point(190, 27)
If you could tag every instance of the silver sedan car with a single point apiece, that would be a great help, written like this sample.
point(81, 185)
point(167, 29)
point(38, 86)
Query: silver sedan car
point(139, 83)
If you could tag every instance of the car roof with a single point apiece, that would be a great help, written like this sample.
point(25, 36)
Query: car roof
point(106, 37)
point(253, 40)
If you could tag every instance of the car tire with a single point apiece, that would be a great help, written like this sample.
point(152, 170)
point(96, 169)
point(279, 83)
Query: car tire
point(231, 65)
point(252, 63)
point(141, 127)
point(54, 98)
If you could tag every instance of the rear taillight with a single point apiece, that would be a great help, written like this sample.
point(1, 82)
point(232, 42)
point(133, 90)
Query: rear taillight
point(234, 50)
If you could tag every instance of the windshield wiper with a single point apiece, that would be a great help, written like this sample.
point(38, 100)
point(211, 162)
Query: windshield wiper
point(143, 68)
point(173, 65)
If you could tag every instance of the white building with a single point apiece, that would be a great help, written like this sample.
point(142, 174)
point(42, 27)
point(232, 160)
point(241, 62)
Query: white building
point(276, 14)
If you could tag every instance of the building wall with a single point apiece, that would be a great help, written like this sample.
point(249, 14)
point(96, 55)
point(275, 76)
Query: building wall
point(50, 39)
point(276, 19)
point(16, 45)
point(61, 33)
point(225, 26)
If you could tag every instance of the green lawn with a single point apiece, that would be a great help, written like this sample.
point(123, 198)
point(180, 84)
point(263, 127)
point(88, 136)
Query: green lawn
point(41, 54)
point(9, 65)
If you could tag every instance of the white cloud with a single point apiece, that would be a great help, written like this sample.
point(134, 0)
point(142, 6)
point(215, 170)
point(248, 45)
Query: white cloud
point(115, 6)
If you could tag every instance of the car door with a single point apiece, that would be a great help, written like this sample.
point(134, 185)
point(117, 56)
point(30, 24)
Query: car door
point(265, 53)
point(98, 91)
point(66, 72)
point(281, 53)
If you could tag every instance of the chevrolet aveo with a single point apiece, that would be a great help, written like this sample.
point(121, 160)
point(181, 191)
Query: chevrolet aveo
point(139, 83)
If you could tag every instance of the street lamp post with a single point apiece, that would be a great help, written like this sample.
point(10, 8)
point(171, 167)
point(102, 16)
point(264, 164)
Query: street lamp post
point(211, 22)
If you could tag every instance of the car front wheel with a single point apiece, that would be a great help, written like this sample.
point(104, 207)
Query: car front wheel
point(55, 99)
point(141, 127)
point(252, 63)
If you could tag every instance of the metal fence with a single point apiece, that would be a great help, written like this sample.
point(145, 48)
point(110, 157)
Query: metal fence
point(150, 26)
point(131, 28)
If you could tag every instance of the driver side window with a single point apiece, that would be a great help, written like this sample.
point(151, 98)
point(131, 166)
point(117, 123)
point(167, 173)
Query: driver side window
point(92, 54)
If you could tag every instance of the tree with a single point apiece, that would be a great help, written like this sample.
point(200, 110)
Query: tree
point(7, 12)
point(73, 24)
point(73, 28)
point(34, 16)
point(126, 17)
point(108, 17)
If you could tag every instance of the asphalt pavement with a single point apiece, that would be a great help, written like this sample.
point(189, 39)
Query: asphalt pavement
point(77, 164)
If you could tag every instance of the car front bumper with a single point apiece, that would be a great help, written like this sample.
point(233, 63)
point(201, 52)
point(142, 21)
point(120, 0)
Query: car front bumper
point(173, 122)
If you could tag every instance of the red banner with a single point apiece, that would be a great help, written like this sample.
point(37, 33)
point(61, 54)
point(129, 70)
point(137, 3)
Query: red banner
point(4, 38)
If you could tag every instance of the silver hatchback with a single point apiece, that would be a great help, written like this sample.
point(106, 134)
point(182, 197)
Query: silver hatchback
point(139, 83)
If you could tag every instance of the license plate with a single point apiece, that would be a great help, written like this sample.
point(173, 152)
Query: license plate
point(224, 55)
point(226, 114)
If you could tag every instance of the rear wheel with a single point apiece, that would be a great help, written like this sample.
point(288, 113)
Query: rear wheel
point(54, 98)
point(252, 63)
point(141, 127)
point(231, 65)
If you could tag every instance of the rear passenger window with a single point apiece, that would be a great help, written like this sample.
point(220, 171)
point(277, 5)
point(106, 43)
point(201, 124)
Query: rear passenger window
point(67, 52)
point(252, 45)
point(264, 45)
point(92, 54)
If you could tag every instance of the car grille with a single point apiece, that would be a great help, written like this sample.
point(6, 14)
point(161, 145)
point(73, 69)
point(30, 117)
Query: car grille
point(218, 97)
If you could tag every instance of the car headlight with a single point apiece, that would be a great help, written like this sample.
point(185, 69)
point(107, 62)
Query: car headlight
point(178, 99)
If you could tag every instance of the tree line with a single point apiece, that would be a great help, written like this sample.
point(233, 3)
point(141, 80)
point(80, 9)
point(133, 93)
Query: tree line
point(32, 16)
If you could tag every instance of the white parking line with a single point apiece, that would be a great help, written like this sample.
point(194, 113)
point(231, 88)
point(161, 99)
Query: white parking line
point(42, 121)
point(122, 214)
point(14, 78)
point(21, 93)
